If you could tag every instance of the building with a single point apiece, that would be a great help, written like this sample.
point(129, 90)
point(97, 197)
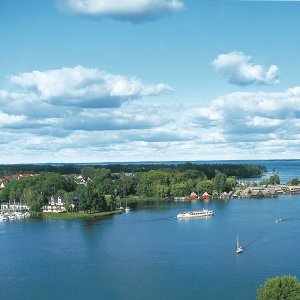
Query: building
point(55, 204)
point(206, 196)
point(193, 196)
point(2, 184)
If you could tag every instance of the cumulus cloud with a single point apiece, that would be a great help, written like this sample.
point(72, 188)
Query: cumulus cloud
point(44, 103)
point(239, 69)
point(83, 87)
point(37, 119)
point(254, 116)
point(127, 10)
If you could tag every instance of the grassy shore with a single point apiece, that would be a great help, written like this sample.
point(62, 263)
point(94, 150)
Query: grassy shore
point(136, 199)
point(77, 215)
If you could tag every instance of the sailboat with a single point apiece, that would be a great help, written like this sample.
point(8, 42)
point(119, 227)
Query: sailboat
point(127, 208)
point(239, 249)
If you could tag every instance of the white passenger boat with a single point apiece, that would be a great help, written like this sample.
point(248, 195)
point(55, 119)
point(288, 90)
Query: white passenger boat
point(195, 214)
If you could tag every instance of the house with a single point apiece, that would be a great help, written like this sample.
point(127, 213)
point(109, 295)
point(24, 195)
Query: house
point(237, 193)
point(2, 184)
point(246, 193)
point(257, 193)
point(128, 174)
point(80, 180)
point(205, 196)
point(293, 189)
point(55, 204)
point(21, 176)
point(193, 196)
point(224, 195)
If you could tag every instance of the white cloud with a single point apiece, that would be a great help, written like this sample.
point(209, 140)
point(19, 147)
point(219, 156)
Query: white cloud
point(254, 117)
point(83, 87)
point(38, 116)
point(9, 120)
point(238, 68)
point(128, 10)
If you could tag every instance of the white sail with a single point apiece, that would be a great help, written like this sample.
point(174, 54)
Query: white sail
point(239, 249)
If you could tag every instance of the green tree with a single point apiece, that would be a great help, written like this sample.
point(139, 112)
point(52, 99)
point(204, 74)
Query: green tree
point(84, 199)
point(279, 288)
point(98, 201)
point(88, 172)
point(161, 191)
point(219, 183)
point(204, 186)
point(274, 179)
point(37, 203)
point(295, 181)
point(230, 183)
point(177, 190)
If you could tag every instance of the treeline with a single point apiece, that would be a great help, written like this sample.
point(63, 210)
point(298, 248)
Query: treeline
point(208, 170)
point(37, 169)
point(36, 192)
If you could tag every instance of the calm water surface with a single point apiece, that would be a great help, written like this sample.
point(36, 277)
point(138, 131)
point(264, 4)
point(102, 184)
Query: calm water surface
point(148, 254)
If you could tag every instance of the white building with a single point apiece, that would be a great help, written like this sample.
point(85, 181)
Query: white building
point(55, 204)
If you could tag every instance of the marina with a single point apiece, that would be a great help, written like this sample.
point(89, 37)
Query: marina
point(17, 215)
point(11, 212)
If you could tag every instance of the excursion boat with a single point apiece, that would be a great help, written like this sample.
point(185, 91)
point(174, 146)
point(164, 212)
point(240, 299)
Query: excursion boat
point(195, 214)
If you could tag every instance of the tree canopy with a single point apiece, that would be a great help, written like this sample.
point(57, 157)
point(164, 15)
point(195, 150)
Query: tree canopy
point(163, 181)
point(279, 288)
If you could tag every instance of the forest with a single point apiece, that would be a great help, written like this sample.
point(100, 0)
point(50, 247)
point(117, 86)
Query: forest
point(104, 187)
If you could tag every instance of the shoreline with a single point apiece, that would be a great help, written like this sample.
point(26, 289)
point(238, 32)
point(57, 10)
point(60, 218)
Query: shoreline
point(76, 215)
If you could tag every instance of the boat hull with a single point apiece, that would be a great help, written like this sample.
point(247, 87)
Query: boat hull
point(195, 214)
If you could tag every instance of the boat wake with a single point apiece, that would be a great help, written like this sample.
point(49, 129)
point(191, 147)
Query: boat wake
point(290, 220)
point(254, 245)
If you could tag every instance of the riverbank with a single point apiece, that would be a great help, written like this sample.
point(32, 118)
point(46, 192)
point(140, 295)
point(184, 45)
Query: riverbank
point(77, 215)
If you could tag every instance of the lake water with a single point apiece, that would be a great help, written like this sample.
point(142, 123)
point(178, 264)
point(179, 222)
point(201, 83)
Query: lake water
point(149, 254)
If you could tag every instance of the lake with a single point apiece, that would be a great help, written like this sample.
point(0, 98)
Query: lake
point(149, 254)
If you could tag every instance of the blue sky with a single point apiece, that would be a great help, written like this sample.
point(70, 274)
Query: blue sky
point(138, 80)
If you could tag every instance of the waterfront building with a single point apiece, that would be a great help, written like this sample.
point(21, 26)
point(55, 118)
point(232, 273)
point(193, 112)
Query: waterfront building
point(55, 204)
point(205, 196)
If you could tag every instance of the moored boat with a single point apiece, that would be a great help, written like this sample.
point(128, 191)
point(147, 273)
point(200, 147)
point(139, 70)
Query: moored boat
point(195, 214)
point(127, 208)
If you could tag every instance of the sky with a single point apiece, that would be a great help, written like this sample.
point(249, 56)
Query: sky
point(148, 80)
